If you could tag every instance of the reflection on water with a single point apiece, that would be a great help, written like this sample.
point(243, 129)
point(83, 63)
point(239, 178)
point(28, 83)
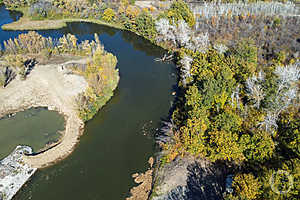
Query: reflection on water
point(116, 142)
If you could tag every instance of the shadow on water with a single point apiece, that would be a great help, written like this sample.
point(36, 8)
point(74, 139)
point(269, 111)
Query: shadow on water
point(114, 144)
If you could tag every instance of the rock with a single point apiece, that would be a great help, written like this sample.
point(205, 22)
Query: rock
point(135, 175)
point(188, 178)
point(151, 162)
point(14, 172)
point(142, 191)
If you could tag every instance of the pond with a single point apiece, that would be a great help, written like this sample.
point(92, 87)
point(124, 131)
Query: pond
point(118, 141)
point(35, 127)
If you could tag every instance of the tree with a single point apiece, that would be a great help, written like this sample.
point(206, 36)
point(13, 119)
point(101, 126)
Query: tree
point(166, 30)
point(246, 187)
point(258, 146)
point(109, 15)
point(179, 10)
point(183, 34)
point(145, 25)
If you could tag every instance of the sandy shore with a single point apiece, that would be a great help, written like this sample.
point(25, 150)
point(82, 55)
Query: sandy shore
point(48, 86)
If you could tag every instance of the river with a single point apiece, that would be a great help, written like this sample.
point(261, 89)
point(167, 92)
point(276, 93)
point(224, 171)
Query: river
point(118, 141)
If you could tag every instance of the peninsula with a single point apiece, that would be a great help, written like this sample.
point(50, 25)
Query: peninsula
point(74, 79)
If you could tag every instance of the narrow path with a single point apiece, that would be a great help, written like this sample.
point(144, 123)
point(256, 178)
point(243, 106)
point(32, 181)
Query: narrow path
point(47, 86)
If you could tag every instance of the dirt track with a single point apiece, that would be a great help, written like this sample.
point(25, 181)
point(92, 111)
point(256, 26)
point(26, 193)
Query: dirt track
point(48, 86)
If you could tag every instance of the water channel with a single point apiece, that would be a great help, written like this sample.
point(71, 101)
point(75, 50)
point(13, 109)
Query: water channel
point(118, 141)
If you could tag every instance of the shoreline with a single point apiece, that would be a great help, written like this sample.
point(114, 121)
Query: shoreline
point(39, 91)
point(25, 23)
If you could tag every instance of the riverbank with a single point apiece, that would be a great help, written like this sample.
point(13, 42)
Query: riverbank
point(25, 23)
point(28, 24)
point(48, 86)
point(158, 83)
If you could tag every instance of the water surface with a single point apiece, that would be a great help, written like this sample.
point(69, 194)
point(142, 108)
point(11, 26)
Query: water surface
point(113, 145)
point(34, 127)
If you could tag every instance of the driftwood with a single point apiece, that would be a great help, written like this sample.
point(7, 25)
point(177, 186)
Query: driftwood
point(165, 58)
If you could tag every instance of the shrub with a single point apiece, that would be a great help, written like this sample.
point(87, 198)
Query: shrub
point(15, 3)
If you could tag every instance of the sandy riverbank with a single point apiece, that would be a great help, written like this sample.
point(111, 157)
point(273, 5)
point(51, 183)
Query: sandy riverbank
point(48, 86)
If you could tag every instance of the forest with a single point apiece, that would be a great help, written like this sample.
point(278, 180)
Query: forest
point(239, 72)
point(239, 97)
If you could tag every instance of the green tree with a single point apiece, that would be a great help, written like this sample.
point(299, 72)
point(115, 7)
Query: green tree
point(179, 10)
point(258, 146)
point(146, 25)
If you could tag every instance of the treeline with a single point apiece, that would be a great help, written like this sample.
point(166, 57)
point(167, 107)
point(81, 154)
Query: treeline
point(100, 71)
point(122, 13)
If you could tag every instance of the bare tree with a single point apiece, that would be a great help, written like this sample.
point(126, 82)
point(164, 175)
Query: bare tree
point(186, 68)
point(255, 89)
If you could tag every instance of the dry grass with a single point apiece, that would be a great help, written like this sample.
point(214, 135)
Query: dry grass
point(26, 23)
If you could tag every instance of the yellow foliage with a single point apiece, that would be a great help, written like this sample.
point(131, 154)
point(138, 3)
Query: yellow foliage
point(246, 186)
point(124, 3)
point(89, 92)
point(227, 146)
point(132, 12)
point(109, 15)
point(73, 39)
point(145, 10)
point(221, 99)
point(152, 9)
point(121, 9)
